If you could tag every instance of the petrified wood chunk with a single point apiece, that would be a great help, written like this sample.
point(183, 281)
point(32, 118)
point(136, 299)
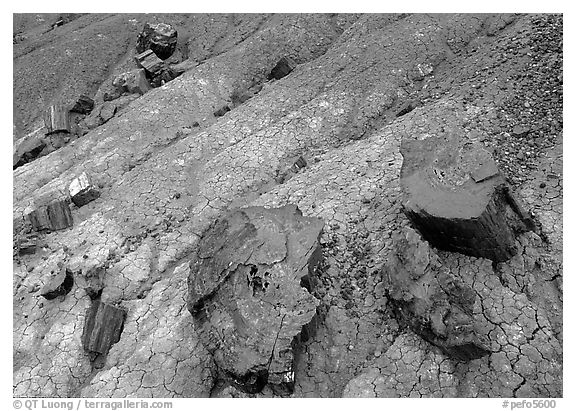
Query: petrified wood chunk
point(83, 105)
point(284, 66)
point(149, 62)
point(221, 111)
point(161, 38)
point(82, 191)
point(102, 328)
point(133, 81)
point(60, 284)
point(56, 118)
point(27, 150)
point(432, 301)
point(248, 291)
point(55, 215)
point(455, 196)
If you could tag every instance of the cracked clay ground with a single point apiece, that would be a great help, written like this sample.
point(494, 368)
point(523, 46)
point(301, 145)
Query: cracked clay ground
point(167, 168)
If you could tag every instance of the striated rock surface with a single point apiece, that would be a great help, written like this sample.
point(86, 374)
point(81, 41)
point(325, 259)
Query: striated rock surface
point(103, 326)
point(249, 291)
point(54, 215)
point(56, 119)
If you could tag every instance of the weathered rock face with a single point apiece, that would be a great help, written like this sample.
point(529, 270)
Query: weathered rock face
point(59, 285)
point(55, 215)
point(56, 119)
point(248, 291)
point(161, 38)
point(103, 326)
point(431, 301)
point(456, 197)
point(82, 191)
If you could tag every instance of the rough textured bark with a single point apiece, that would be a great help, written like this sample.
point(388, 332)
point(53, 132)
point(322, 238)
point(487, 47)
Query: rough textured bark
point(103, 326)
point(248, 291)
point(456, 197)
point(52, 216)
point(56, 118)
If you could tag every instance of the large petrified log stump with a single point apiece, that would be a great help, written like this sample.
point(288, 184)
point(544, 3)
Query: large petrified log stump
point(56, 119)
point(161, 38)
point(102, 328)
point(248, 291)
point(52, 216)
point(431, 301)
point(456, 197)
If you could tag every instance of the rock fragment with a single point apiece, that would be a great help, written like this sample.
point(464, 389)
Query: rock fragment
point(221, 111)
point(27, 149)
point(59, 285)
point(161, 38)
point(248, 292)
point(53, 216)
point(284, 66)
point(83, 105)
point(431, 301)
point(102, 328)
point(133, 81)
point(149, 62)
point(56, 119)
point(82, 191)
point(455, 196)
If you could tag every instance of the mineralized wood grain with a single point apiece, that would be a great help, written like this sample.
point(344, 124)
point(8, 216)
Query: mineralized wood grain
point(455, 196)
point(56, 118)
point(103, 326)
point(55, 215)
point(149, 62)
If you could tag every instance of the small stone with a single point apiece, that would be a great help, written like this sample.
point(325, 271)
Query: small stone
point(284, 66)
point(60, 285)
point(82, 191)
point(83, 105)
point(133, 81)
point(221, 111)
point(542, 185)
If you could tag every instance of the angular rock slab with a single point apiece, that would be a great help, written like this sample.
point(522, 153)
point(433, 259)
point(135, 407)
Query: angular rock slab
point(102, 328)
point(82, 191)
point(456, 197)
point(247, 295)
point(431, 301)
point(161, 38)
point(53, 216)
point(59, 285)
point(284, 67)
point(133, 81)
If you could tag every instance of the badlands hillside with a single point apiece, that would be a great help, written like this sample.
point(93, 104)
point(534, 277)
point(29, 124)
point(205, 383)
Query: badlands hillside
point(318, 205)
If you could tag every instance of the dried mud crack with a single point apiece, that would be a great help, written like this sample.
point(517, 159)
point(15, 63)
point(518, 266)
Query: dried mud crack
point(299, 205)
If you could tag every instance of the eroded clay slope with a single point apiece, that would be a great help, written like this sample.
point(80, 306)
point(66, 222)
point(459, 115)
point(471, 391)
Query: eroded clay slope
point(327, 139)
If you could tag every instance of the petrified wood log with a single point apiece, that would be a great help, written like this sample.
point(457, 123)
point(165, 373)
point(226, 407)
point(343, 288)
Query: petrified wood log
point(83, 105)
point(221, 111)
point(55, 215)
point(149, 62)
point(284, 66)
point(161, 38)
point(56, 118)
point(82, 191)
point(456, 197)
point(248, 291)
point(102, 328)
point(431, 301)
point(60, 284)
